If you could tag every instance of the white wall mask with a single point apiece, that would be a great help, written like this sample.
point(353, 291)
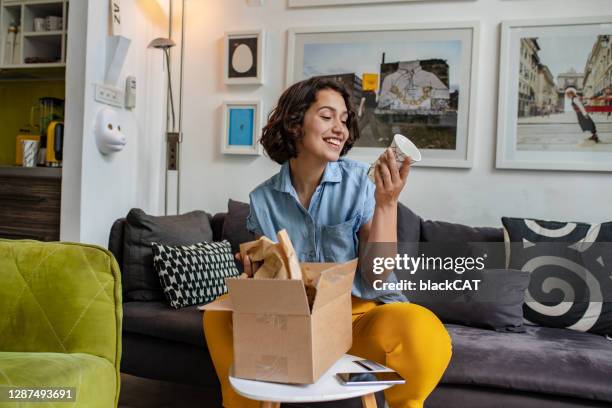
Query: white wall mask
point(108, 132)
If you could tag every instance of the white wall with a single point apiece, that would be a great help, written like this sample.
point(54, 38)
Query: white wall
point(98, 189)
point(478, 196)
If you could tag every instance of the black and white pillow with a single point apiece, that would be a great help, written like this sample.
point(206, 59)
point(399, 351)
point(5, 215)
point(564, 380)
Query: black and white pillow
point(571, 272)
point(193, 274)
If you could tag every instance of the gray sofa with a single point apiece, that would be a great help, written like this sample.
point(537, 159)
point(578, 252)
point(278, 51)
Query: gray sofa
point(542, 367)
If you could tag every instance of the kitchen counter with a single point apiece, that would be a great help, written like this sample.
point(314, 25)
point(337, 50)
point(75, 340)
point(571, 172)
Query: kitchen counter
point(36, 172)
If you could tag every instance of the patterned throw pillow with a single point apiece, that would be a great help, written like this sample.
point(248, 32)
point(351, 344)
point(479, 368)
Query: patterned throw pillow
point(194, 274)
point(571, 272)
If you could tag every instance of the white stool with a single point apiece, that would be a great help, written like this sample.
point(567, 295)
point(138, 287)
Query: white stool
point(328, 388)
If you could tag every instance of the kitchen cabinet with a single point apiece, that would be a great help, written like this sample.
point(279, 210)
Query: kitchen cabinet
point(33, 33)
point(33, 37)
point(30, 203)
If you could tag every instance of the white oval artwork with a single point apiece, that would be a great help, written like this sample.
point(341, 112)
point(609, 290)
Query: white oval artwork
point(242, 59)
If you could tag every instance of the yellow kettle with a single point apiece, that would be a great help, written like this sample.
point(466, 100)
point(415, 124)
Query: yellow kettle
point(55, 144)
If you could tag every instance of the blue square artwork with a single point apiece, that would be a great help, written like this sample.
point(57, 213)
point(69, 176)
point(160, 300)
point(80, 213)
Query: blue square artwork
point(241, 126)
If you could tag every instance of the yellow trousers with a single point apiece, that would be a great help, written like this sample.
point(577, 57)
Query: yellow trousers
point(404, 336)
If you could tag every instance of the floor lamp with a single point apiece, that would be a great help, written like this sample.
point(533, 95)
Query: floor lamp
point(173, 134)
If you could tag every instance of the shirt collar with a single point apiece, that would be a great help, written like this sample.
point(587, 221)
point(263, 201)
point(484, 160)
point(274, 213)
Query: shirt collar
point(332, 174)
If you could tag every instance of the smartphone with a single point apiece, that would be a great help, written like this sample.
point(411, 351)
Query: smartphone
point(379, 377)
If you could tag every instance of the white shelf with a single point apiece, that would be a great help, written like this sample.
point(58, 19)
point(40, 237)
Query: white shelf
point(35, 65)
point(49, 45)
point(50, 72)
point(43, 33)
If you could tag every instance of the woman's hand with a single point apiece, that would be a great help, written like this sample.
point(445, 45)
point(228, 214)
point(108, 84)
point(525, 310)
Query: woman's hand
point(249, 267)
point(389, 179)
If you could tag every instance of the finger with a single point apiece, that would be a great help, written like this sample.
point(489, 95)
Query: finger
point(238, 256)
point(377, 179)
point(383, 156)
point(385, 175)
point(248, 269)
point(392, 160)
point(405, 169)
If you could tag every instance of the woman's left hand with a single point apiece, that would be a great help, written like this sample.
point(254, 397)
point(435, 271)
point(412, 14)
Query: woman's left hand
point(390, 180)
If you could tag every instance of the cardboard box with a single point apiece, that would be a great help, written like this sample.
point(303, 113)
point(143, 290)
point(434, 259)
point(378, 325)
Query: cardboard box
point(276, 336)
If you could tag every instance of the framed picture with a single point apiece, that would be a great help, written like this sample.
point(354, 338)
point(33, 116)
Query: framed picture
point(244, 51)
point(555, 95)
point(318, 3)
point(416, 80)
point(241, 127)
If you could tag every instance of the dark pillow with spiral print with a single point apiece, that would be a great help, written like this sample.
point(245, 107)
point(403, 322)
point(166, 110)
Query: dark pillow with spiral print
point(193, 274)
point(571, 272)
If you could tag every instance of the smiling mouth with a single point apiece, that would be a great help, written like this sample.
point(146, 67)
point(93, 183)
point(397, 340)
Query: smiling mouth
point(333, 142)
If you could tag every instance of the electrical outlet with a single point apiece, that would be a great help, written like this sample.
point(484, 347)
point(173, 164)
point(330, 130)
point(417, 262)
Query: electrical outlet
point(109, 95)
point(172, 140)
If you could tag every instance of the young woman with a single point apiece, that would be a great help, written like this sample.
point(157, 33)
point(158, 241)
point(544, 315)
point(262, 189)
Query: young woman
point(332, 211)
point(584, 119)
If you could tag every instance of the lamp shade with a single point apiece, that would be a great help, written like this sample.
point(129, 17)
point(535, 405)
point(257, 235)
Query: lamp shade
point(161, 43)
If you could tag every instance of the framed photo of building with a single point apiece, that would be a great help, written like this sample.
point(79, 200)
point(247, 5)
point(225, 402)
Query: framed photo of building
point(417, 80)
point(244, 51)
point(241, 127)
point(555, 95)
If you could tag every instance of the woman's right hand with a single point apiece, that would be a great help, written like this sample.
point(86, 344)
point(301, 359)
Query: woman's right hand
point(249, 267)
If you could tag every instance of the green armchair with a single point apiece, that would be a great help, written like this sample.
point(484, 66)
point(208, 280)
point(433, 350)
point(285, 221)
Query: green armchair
point(60, 320)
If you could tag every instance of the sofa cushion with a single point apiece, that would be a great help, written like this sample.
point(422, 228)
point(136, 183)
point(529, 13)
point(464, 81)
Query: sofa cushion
point(234, 224)
point(570, 266)
point(440, 231)
point(445, 239)
point(157, 319)
point(542, 360)
point(194, 274)
point(497, 304)
point(140, 281)
point(93, 377)
point(408, 225)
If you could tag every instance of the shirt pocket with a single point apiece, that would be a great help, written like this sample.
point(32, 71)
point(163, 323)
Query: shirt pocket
point(338, 242)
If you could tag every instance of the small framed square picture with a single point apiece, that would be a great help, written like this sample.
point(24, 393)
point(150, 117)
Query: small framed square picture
point(244, 52)
point(241, 127)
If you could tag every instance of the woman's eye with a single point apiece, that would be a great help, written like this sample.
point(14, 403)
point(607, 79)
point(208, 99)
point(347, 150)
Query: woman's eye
point(326, 117)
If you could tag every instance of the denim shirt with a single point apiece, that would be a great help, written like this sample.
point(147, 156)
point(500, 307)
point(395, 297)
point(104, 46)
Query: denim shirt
point(326, 231)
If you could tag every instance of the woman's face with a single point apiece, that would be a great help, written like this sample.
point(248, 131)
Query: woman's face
point(324, 128)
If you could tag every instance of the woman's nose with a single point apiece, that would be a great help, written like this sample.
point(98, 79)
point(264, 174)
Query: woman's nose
point(338, 128)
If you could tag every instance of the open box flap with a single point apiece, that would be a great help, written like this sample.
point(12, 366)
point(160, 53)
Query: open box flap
point(334, 282)
point(273, 296)
point(312, 270)
point(222, 304)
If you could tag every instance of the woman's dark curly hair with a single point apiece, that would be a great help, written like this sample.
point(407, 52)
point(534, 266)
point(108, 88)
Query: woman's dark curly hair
point(283, 131)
